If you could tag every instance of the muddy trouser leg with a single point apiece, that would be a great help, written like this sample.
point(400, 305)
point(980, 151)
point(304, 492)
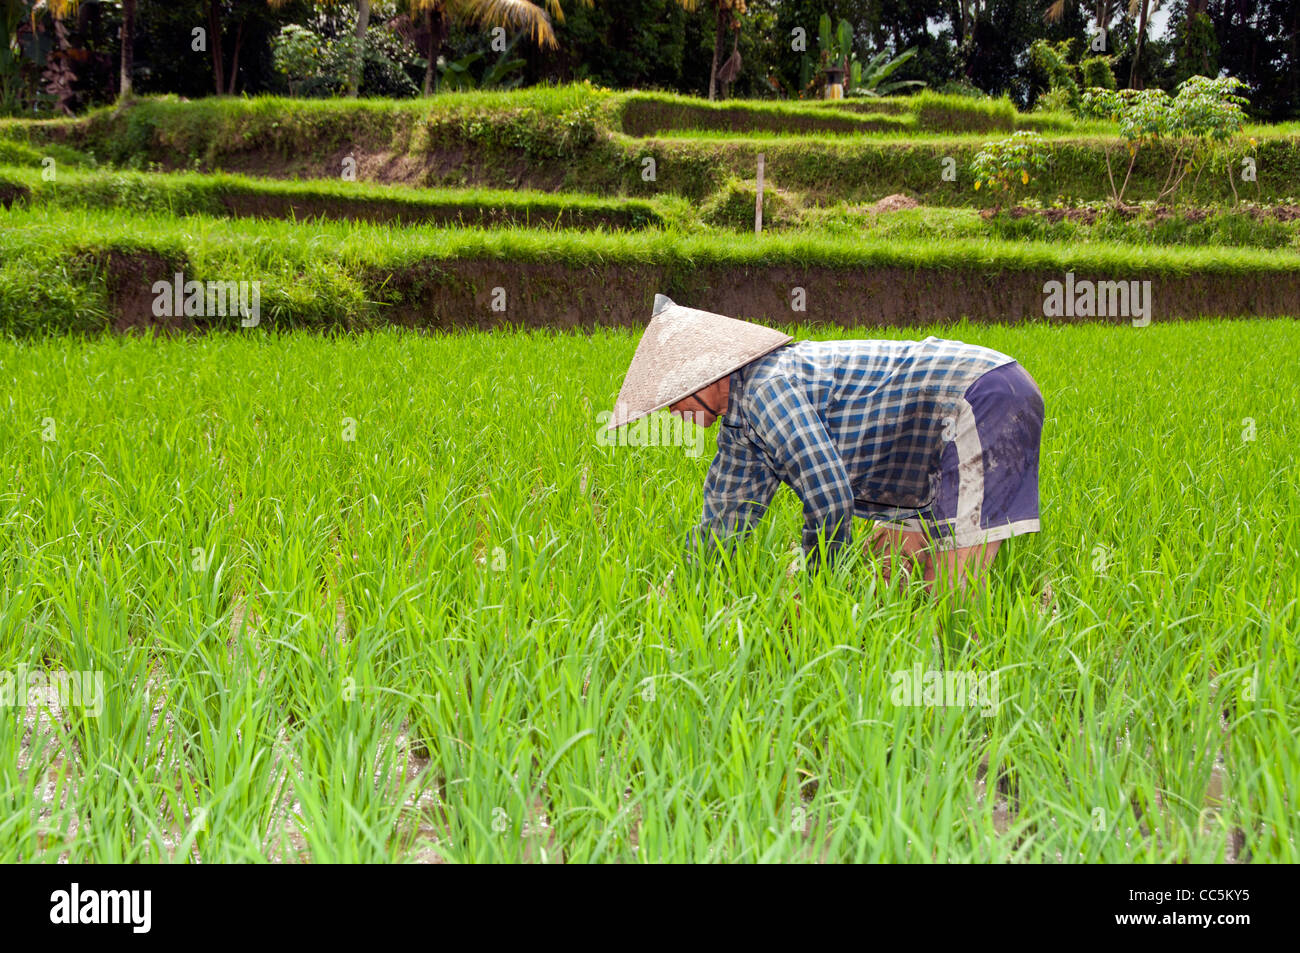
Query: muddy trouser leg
point(988, 486)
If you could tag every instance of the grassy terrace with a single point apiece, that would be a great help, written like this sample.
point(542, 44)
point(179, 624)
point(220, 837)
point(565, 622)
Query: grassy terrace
point(243, 196)
point(573, 139)
point(181, 194)
point(65, 268)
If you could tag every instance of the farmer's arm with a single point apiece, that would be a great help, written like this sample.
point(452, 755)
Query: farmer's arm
point(737, 491)
point(810, 463)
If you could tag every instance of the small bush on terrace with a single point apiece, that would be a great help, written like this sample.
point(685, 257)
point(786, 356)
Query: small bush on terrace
point(1009, 164)
point(1205, 113)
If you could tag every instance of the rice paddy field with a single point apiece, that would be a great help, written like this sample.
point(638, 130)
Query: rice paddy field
point(349, 591)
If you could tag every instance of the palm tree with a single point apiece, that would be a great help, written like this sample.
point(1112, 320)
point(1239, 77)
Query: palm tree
point(727, 15)
point(13, 12)
point(1103, 11)
point(1140, 10)
point(128, 49)
point(439, 14)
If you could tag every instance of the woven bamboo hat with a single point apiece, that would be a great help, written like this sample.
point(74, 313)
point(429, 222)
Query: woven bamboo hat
point(684, 350)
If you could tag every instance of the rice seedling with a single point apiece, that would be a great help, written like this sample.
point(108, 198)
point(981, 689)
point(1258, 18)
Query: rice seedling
point(386, 597)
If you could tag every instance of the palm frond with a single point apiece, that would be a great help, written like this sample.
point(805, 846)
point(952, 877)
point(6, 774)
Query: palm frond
point(511, 13)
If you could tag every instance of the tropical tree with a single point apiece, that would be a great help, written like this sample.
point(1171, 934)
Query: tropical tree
point(363, 23)
point(1103, 11)
point(1140, 10)
point(869, 80)
point(438, 15)
point(726, 17)
point(968, 14)
point(12, 15)
point(125, 89)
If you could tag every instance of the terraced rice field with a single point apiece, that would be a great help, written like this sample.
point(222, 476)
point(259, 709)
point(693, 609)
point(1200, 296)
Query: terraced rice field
point(359, 581)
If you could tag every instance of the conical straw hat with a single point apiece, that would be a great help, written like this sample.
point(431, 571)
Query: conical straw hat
point(684, 350)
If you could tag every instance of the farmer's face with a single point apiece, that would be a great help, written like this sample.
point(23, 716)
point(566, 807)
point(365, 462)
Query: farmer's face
point(698, 404)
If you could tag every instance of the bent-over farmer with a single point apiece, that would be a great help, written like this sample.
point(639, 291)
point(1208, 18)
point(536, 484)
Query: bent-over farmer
point(935, 440)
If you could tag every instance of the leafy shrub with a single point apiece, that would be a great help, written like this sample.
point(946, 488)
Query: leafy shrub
point(1066, 80)
point(300, 56)
point(1205, 112)
point(1055, 100)
point(317, 61)
point(962, 87)
point(1097, 73)
point(1009, 164)
point(1054, 61)
point(732, 206)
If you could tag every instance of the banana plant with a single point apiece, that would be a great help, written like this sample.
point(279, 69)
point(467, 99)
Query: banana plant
point(869, 80)
point(837, 61)
point(836, 48)
point(456, 74)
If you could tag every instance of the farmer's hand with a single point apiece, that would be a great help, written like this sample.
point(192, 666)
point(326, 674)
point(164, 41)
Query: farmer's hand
point(900, 553)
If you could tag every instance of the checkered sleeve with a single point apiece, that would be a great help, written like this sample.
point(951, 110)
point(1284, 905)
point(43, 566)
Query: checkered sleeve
point(737, 491)
point(809, 462)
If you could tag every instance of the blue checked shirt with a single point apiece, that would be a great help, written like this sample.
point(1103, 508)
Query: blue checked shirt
point(853, 427)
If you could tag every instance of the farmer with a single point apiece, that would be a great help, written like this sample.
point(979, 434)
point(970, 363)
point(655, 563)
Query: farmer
point(935, 440)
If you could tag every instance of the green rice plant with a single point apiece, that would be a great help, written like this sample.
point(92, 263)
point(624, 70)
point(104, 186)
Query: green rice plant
point(441, 632)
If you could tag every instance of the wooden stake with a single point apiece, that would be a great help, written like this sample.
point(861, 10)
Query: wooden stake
point(758, 203)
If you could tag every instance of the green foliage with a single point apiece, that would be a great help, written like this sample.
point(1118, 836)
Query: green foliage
point(230, 195)
point(572, 138)
point(732, 206)
point(504, 73)
point(1210, 109)
point(1196, 47)
point(1220, 227)
point(318, 63)
point(1006, 166)
point(1057, 100)
point(347, 264)
point(1054, 61)
point(869, 80)
point(1203, 113)
point(301, 56)
point(1066, 79)
point(835, 46)
point(859, 79)
point(1096, 72)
